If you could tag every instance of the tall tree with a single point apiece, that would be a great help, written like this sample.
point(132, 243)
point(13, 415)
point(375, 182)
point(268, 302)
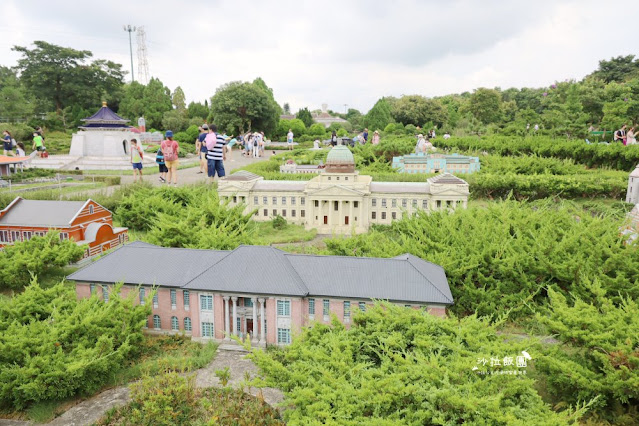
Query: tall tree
point(417, 110)
point(485, 105)
point(287, 108)
point(305, 115)
point(150, 101)
point(14, 101)
point(179, 100)
point(198, 110)
point(379, 116)
point(244, 106)
point(617, 69)
point(64, 76)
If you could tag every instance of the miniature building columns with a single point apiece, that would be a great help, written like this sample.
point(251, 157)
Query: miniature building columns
point(226, 318)
point(254, 331)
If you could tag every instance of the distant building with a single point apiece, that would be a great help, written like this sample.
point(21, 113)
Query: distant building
point(85, 222)
point(436, 163)
point(257, 290)
point(293, 168)
point(340, 200)
point(325, 118)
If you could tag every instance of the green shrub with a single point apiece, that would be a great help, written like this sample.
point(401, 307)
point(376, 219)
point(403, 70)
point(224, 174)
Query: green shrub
point(317, 130)
point(404, 366)
point(600, 358)
point(532, 246)
point(183, 138)
point(54, 346)
point(279, 222)
point(37, 256)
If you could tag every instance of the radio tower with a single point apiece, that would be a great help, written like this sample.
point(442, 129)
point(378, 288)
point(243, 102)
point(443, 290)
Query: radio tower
point(143, 64)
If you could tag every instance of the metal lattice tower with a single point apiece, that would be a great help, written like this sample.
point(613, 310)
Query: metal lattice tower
point(143, 64)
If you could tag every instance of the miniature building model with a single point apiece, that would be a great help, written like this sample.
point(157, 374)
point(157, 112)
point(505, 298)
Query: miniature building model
point(17, 162)
point(259, 290)
point(293, 168)
point(340, 200)
point(86, 222)
point(436, 163)
point(104, 134)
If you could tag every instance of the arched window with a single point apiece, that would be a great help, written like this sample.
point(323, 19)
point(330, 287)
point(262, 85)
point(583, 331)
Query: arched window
point(187, 324)
point(156, 322)
point(174, 323)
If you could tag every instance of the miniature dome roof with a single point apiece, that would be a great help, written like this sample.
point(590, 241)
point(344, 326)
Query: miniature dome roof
point(340, 154)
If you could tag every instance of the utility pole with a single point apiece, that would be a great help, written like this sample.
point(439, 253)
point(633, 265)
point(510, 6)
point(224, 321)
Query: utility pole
point(130, 29)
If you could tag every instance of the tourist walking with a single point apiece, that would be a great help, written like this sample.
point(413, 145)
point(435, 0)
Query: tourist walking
point(262, 143)
point(257, 142)
point(631, 137)
point(7, 142)
point(289, 139)
point(136, 160)
point(365, 135)
point(375, 140)
point(216, 153)
point(38, 144)
point(170, 149)
point(334, 138)
point(620, 135)
point(201, 147)
point(159, 158)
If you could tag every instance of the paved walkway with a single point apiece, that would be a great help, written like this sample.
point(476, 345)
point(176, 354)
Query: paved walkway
point(91, 410)
point(191, 176)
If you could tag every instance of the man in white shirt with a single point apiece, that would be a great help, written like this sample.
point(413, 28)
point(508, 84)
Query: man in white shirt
point(289, 139)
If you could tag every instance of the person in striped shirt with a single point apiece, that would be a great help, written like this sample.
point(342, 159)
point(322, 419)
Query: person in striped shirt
point(216, 152)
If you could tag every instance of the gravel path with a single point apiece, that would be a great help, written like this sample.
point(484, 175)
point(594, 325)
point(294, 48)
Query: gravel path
point(89, 411)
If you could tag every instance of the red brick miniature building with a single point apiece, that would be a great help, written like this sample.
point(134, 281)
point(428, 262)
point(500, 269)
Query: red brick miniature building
point(85, 222)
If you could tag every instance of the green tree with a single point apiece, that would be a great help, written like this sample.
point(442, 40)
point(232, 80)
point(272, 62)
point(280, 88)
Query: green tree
point(179, 100)
point(485, 105)
point(64, 77)
point(150, 101)
point(615, 115)
point(286, 108)
point(197, 110)
point(617, 69)
point(417, 110)
point(244, 106)
point(295, 124)
point(305, 115)
point(379, 116)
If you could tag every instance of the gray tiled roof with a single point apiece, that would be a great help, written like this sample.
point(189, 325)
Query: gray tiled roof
point(242, 175)
point(371, 278)
point(447, 178)
point(266, 270)
point(402, 187)
point(252, 269)
point(42, 213)
point(141, 263)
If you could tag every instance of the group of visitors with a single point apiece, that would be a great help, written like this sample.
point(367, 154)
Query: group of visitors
point(254, 142)
point(626, 137)
point(11, 147)
point(423, 145)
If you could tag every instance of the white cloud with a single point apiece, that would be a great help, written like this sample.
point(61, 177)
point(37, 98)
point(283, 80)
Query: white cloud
point(336, 52)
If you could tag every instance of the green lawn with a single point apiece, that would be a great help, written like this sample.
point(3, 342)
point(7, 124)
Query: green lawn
point(266, 234)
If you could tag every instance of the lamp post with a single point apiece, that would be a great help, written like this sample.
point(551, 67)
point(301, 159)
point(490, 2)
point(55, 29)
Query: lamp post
point(130, 29)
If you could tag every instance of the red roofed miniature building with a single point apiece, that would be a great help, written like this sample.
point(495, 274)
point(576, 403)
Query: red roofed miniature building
point(85, 222)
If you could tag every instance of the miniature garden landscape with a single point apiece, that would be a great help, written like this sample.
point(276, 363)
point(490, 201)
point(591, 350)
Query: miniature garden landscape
point(541, 260)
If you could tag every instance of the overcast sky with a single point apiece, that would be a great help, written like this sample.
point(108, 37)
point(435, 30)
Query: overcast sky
point(337, 52)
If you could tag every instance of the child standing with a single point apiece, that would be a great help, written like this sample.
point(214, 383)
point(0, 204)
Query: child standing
point(159, 158)
point(136, 160)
